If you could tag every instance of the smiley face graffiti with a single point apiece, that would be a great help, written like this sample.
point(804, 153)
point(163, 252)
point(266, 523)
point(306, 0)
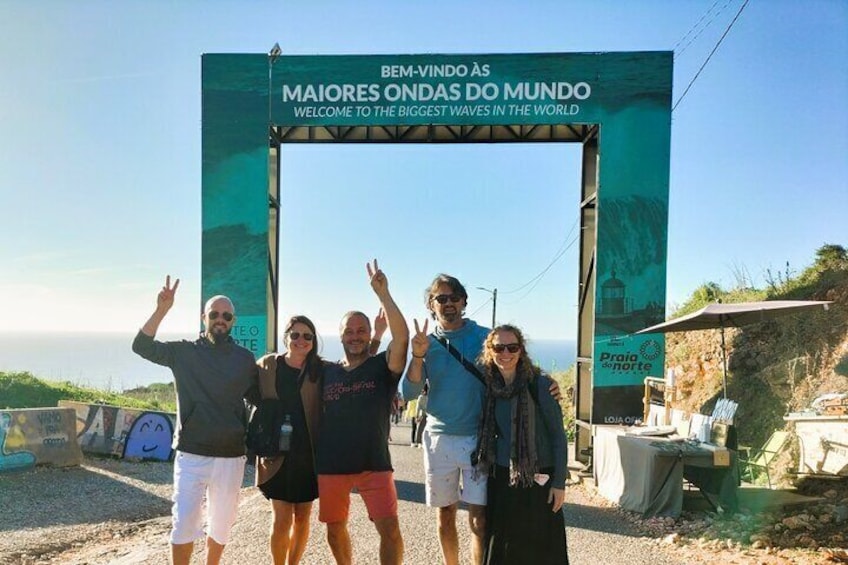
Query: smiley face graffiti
point(150, 437)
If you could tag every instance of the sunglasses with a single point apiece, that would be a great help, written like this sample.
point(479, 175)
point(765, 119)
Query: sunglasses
point(228, 316)
point(511, 347)
point(443, 298)
point(294, 336)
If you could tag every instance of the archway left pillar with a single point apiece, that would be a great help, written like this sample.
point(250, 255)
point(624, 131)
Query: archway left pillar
point(240, 195)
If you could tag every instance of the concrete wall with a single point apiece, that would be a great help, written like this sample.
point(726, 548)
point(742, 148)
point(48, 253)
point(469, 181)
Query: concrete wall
point(123, 432)
point(38, 436)
point(823, 442)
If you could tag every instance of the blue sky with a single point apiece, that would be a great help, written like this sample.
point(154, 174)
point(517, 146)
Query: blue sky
point(100, 156)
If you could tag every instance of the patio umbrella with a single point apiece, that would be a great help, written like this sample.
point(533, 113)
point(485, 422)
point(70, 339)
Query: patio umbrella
point(720, 316)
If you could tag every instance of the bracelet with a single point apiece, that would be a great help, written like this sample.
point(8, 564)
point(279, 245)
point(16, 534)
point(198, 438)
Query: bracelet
point(418, 356)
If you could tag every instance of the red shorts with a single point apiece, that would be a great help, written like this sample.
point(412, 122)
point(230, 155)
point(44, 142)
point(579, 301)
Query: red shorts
point(377, 489)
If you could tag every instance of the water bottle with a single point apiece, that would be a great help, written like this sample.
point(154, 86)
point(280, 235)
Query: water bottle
point(285, 435)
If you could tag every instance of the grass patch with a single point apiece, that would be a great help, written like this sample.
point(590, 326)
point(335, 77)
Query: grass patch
point(23, 390)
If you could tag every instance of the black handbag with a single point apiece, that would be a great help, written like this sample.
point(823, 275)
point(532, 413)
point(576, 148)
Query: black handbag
point(263, 430)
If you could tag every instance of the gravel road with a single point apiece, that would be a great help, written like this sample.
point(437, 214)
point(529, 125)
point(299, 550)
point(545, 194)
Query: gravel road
point(117, 512)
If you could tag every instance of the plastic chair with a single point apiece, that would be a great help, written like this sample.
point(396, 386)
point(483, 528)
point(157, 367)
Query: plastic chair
point(752, 463)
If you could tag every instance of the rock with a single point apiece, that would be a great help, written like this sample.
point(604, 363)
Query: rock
point(840, 513)
point(671, 539)
point(831, 494)
point(804, 541)
point(761, 538)
point(794, 522)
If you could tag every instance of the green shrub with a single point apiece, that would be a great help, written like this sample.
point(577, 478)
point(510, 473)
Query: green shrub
point(566, 379)
point(23, 390)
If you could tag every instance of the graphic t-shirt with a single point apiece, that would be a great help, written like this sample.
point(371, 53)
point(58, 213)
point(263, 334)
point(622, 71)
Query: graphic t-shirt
point(355, 424)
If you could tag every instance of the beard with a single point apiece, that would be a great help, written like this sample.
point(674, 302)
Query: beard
point(355, 350)
point(449, 315)
point(219, 335)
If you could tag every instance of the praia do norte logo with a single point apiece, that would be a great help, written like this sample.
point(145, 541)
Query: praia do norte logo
point(631, 361)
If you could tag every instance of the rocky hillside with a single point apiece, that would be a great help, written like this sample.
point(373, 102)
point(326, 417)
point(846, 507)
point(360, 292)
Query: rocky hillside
point(774, 367)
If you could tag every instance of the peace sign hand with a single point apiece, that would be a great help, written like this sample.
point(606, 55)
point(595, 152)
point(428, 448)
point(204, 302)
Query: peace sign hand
point(381, 324)
point(420, 341)
point(165, 299)
point(378, 279)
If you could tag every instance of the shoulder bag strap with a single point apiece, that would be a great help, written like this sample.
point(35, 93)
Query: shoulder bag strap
point(469, 366)
point(301, 376)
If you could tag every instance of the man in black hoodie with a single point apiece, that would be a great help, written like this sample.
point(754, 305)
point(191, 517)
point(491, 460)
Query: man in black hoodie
point(212, 375)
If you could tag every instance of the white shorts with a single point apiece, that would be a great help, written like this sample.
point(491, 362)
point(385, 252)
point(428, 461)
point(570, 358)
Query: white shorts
point(446, 458)
point(219, 479)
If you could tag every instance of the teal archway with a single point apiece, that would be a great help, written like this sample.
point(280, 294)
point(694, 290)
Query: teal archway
point(616, 105)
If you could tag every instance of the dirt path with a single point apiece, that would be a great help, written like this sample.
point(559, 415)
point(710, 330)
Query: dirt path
point(117, 512)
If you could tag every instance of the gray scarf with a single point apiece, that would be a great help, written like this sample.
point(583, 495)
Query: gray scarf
point(522, 450)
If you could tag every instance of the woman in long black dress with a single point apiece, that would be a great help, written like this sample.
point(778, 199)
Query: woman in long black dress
point(289, 481)
point(522, 446)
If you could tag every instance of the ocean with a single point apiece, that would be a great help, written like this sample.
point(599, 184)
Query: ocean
point(105, 361)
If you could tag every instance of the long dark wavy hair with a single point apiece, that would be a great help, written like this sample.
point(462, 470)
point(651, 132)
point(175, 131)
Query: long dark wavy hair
point(525, 367)
point(314, 363)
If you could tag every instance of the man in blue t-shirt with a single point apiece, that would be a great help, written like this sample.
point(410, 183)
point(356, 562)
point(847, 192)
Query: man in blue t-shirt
point(353, 450)
point(453, 413)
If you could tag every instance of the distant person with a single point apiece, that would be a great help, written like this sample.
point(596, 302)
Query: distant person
point(353, 449)
point(289, 481)
point(397, 409)
point(455, 400)
point(212, 376)
point(420, 415)
point(409, 414)
point(521, 446)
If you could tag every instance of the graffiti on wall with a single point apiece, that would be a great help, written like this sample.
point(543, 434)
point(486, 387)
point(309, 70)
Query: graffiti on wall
point(13, 455)
point(124, 432)
point(38, 436)
point(150, 437)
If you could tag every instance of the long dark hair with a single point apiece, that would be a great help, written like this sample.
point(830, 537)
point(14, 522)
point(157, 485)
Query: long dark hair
point(314, 364)
point(525, 367)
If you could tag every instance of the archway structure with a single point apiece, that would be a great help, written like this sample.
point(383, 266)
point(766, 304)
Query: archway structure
point(617, 105)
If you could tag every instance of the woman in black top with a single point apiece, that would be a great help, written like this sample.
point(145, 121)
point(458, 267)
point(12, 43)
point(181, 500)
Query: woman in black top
point(289, 481)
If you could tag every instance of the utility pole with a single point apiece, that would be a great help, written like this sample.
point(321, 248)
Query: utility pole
point(494, 293)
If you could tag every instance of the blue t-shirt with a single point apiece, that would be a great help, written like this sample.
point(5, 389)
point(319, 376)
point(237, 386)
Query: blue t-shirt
point(455, 395)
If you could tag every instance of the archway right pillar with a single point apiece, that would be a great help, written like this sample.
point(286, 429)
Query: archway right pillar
point(623, 245)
